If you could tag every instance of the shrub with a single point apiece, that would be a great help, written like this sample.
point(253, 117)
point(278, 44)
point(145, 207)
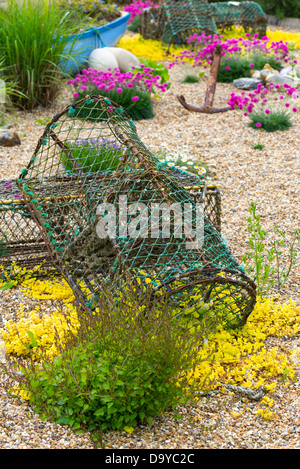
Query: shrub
point(282, 9)
point(33, 37)
point(124, 364)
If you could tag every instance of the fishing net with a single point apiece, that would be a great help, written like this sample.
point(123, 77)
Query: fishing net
point(112, 214)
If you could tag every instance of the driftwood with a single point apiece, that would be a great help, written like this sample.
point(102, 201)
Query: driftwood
point(210, 90)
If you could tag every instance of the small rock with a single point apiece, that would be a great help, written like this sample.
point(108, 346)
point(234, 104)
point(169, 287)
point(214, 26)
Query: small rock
point(246, 83)
point(8, 139)
point(278, 79)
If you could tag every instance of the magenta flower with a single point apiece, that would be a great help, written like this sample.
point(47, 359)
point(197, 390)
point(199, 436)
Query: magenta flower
point(267, 111)
point(294, 109)
point(258, 124)
point(135, 98)
point(119, 90)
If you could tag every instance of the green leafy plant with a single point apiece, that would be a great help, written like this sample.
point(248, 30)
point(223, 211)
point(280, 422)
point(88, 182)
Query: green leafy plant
point(157, 68)
point(277, 119)
point(258, 146)
point(240, 66)
point(91, 155)
point(126, 364)
point(138, 109)
point(33, 37)
point(265, 263)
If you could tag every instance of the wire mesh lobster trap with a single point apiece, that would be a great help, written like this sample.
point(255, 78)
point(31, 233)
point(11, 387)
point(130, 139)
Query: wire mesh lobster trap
point(176, 20)
point(111, 213)
point(21, 242)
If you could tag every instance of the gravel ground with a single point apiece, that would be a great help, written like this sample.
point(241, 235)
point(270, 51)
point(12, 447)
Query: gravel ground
point(269, 178)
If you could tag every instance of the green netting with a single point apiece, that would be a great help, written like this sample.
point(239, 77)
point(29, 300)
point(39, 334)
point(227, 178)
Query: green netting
point(250, 15)
point(21, 242)
point(22, 245)
point(185, 17)
point(176, 20)
point(111, 213)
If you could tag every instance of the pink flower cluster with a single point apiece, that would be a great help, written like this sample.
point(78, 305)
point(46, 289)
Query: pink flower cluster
point(91, 79)
point(205, 45)
point(137, 7)
point(265, 98)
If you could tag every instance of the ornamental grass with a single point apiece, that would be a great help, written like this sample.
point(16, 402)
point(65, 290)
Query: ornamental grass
point(33, 38)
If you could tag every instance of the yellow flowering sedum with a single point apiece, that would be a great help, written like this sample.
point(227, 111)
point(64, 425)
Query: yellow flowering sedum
point(285, 36)
point(238, 357)
point(241, 357)
point(43, 327)
point(148, 48)
point(48, 289)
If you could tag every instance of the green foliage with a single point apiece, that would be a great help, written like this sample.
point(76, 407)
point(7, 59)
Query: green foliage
point(258, 146)
point(190, 79)
point(33, 37)
point(134, 26)
point(159, 69)
point(264, 263)
point(92, 155)
point(282, 8)
point(239, 66)
point(125, 365)
point(92, 11)
point(138, 110)
point(276, 120)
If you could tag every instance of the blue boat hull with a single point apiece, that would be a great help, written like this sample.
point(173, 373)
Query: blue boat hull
point(83, 44)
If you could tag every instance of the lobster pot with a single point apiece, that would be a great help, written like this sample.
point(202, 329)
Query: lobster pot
point(174, 21)
point(113, 215)
point(21, 243)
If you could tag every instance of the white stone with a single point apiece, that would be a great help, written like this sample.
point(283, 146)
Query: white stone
point(124, 58)
point(112, 57)
point(102, 59)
